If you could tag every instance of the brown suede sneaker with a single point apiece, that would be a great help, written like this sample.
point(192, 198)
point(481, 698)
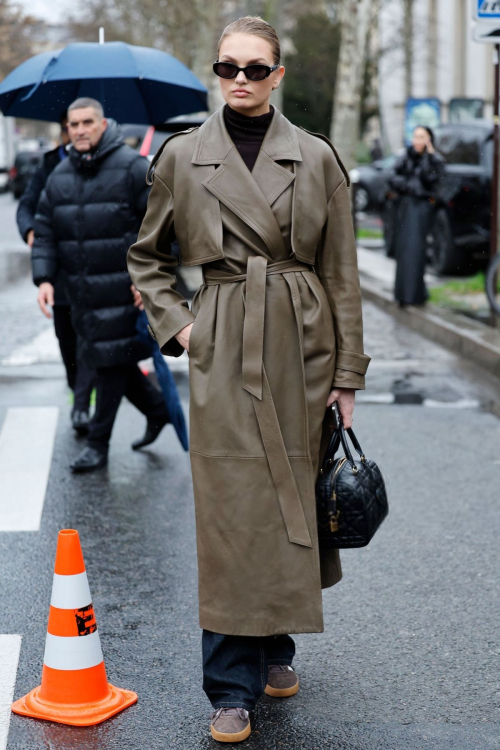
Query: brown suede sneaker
point(230, 725)
point(282, 682)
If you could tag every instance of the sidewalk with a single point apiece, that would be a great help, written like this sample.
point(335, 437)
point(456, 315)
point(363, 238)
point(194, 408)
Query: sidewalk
point(14, 253)
point(475, 341)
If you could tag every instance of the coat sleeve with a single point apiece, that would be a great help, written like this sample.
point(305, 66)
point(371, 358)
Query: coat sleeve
point(397, 179)
point(44, 260)
point(138, 186)
point(151, 266)
point(28, 202)
point(337, 269)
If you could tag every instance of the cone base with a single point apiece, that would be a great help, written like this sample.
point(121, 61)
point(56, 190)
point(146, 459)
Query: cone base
point(76, 715)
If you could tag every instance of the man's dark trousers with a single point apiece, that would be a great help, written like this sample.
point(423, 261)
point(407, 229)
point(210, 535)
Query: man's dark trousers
point(81, 377)
point(112, 384)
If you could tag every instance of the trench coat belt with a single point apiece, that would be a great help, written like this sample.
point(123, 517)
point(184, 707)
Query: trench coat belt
point(255, 381)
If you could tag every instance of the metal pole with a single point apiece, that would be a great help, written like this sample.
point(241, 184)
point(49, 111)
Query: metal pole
point(496, 156)
point(101, 35)
point(494, 182)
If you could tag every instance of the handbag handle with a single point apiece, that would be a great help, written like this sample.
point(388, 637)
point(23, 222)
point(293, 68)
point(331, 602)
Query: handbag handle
point(338, 437)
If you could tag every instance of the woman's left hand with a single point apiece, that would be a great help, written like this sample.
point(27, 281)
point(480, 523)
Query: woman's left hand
point(345, 397)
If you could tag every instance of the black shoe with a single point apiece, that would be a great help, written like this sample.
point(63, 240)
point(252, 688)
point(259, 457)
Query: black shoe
point(153, 429)
point(80, 421)
point(89, 459)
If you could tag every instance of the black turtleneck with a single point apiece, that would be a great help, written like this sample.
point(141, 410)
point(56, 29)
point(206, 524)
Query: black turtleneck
point(247, 133)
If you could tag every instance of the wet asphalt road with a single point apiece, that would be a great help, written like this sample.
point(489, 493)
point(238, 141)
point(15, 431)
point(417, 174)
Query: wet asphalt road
point(409, 658)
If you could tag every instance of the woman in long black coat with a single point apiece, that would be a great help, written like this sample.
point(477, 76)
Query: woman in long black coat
point(416, 179)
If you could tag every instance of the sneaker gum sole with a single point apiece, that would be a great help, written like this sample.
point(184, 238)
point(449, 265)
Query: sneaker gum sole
point(283, 692)
point(233, 737)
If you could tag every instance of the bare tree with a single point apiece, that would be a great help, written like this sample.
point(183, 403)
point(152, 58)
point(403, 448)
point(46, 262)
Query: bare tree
point(408, 42)
point(15, 36)
point(354, 18)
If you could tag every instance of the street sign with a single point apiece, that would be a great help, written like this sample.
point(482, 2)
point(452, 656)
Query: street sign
point(487, 10)
point(487, 32)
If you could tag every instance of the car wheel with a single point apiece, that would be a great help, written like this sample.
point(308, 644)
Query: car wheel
point(361, 198)
point(445, 257)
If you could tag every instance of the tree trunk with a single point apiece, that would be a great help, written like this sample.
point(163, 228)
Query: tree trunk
point(408, 45)
point(209, 27)
point(354, 18)
point(433, 49)
point(273, 14)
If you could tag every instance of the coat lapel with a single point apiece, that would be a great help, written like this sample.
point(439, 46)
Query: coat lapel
point(249, 195)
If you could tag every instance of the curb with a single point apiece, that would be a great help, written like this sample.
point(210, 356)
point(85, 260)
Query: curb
point(468, 338)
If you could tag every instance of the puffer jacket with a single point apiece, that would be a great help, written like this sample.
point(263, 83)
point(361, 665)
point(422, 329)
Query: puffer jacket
point(418, 175)
point(88, 216)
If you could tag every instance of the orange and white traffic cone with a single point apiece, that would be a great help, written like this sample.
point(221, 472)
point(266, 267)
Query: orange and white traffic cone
point(74, 688)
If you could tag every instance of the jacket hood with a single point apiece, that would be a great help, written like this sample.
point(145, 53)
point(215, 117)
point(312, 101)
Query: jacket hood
point(112, 138)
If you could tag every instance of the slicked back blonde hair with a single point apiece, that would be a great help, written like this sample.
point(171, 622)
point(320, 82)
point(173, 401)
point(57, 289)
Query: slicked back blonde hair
point(254, 25)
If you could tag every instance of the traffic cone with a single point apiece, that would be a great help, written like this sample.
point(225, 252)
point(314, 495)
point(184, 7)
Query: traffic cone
point(74, 688)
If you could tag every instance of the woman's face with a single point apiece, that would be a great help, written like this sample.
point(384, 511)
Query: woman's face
point(248, 97)
point(420, 139)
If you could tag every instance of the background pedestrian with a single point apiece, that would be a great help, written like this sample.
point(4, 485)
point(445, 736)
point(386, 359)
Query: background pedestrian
point(416, 179)
point(89, 213)
point(79, 375)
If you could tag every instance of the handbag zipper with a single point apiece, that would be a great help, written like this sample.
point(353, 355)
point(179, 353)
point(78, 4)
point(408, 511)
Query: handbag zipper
point(334, 517)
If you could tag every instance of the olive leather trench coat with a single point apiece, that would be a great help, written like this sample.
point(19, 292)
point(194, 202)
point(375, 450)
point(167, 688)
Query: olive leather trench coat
point(277, 323)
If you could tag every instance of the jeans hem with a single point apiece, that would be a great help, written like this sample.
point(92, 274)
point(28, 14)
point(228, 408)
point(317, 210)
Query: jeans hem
point(280, 662)
point(233, 704)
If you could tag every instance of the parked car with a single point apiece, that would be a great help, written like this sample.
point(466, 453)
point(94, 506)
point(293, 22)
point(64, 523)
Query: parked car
point(459, 235)
point(370, 181)
point(25, 165)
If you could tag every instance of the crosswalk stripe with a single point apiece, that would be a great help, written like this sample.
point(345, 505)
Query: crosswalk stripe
point(26, 444)
point(10, 646)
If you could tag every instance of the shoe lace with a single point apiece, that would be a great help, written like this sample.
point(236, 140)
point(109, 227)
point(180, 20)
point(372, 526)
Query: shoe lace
point(280, 668)
point(242, 713)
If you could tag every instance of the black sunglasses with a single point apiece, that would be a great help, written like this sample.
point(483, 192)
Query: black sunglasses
point(252, 72)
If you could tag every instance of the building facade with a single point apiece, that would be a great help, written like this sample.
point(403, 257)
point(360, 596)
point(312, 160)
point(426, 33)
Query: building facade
point(446, 62)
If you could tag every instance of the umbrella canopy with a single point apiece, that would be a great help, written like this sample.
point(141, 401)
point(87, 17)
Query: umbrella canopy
point(134, 84)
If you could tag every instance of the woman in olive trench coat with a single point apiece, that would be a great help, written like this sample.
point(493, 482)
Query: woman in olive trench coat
point(276, 326)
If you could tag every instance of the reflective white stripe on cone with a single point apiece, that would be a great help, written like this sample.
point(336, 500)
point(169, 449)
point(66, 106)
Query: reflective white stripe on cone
point(70, 592)
point(75, 652)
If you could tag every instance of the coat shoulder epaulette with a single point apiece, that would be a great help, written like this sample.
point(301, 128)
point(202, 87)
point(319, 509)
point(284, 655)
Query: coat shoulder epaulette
point(155, 158)
point(328, 141)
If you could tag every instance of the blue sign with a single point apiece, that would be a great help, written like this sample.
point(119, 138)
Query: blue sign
point(421, 112)
point(487, 10)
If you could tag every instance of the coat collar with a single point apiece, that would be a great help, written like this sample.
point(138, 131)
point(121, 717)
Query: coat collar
point(214, 143)
point(249, 195)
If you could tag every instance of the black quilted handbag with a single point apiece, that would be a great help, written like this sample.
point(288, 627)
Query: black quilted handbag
point(350, 495)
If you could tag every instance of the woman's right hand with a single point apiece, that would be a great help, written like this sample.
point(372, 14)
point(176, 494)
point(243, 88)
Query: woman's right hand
point(183, 336)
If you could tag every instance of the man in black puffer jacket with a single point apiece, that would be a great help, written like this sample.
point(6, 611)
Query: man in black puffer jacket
point(87, 218)
point(79, 375)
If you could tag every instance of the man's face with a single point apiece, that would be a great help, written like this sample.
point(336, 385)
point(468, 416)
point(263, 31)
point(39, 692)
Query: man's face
point(85, 128)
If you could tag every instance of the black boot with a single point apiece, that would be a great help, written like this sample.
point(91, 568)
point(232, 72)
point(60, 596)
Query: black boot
point(80, 421)
point(153, 429)
point(89, 459)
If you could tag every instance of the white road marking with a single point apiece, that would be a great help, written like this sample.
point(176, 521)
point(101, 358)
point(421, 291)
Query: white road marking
point(463, 403)
point(10, 646)
point(26, 444)
point(389, 398)
point(42, 349)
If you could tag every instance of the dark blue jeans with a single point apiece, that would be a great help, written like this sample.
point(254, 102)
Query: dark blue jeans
point(235, 666)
